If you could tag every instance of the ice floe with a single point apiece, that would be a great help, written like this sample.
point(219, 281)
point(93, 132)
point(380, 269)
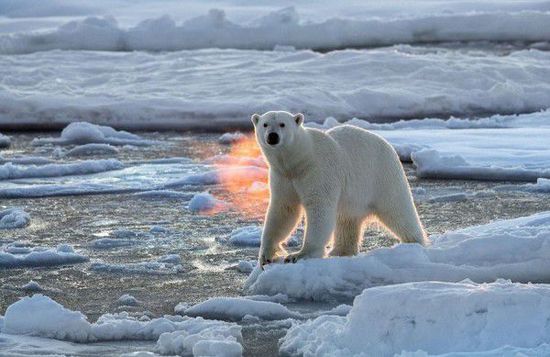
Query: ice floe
point(10, 171)
point(230, 138)
point(80, 133)
point(250, 236)
point(204, 202)
point(235, 309)
point(21, 254)
point(5, 141)
point(432, 317)
point(515, 249)
point(43, 317)
point(92, 149)
point(12, 218)
point(397, 82)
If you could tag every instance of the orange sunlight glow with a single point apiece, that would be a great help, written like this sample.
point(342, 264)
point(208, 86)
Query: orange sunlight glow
point(243, 177)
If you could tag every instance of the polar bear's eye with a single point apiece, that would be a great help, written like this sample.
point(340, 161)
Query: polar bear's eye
point(265, 125)
point(282, 125)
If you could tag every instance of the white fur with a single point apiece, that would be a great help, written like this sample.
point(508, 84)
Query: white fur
point(341, 178)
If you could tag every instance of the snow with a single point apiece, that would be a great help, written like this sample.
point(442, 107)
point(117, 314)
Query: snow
point(164, 265)
point(280, 27)
point(246, 266)
point(205, 203)
point(397, 82)
point(20, 254)
point(79, 133)
point(14, 218)
point(10, 171)
point(515, 249)
point(506, 148)
point(92, 149)
point(433, 317)
point(235, 309)
point(41, 316)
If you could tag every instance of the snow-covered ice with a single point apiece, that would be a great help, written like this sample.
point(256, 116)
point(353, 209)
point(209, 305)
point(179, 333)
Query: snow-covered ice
point(204, 202)
point(5, 141)
point(433, 317)
point(127, 300)
point(397, 82)
point(10, 171)
point(12, 218)
point(234, 309)
point(230, 138)
point(515, 249)
point(43, 317)
point(20, 254)
point(81, 133)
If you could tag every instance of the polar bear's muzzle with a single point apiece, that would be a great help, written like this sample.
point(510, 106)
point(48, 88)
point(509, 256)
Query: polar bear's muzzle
point(272, 138)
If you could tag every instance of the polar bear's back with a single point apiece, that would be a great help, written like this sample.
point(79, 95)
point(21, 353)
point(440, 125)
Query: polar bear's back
point(361, 144)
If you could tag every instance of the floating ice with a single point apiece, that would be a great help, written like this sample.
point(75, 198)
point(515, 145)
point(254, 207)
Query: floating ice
point(163, 265)
point(41, 316)
point(204, 202)
point(14, 218)
point(230, 138)
point(251, 236)
point(32, 286)
point(5, 141)
point(515, 249)
point(16, 255)
point(127, 300)
point(92, 149)
point(79, 133)
point(10, 171)
point(432, 317)
point(234, 309)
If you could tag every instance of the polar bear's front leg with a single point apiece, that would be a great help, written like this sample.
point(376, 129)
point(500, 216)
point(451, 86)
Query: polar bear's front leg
point(320, 223)
point(283, 214)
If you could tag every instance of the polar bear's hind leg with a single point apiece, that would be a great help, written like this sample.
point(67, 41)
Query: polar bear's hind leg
point(347, 236)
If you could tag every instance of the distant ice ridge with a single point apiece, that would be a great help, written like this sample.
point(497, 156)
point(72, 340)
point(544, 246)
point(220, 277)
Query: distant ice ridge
point(395, 83)
point(20, 254)
point(431, 317)
point(14, 218)
point(41, 316)
point(282, 27)
point(515, 249)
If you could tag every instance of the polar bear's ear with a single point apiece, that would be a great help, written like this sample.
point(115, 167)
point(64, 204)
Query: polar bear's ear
point(299, 118)
point(255, 119)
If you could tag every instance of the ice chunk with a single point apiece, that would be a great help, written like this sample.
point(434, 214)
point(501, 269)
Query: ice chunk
point(10, 171)
point(230, 138)
point(17, 255)
point(163, 265)
point(429, 316)
point(512, 249)
point(5, 141)
point(79, 133)
point(92, 149)
point(14, 218)
point(127, 300)
point(251, 236)
point(204, 202)
point(234, 309)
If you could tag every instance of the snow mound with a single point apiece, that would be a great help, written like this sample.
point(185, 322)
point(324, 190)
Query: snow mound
point(280, 28)
point(164, 265)
point(127, 300)
point(251, 236)
point(5, 141)
point(513, 249)
point(433, 317)
point(235, 309)
point(41, 316)
point(204, 202)
point(19, 254)
point(10, 171)
point(92, 149)
point(14, 218)
point(80, 133)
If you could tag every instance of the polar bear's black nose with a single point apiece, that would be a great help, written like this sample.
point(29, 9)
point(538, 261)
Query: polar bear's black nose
point(272, 138)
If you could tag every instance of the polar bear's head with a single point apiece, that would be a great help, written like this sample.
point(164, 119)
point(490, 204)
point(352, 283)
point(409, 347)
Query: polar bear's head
point(277, 129)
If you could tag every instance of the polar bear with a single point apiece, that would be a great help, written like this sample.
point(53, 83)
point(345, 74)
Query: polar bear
point(341, 178)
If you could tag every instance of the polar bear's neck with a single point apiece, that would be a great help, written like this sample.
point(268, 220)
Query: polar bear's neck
point(292, 161)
